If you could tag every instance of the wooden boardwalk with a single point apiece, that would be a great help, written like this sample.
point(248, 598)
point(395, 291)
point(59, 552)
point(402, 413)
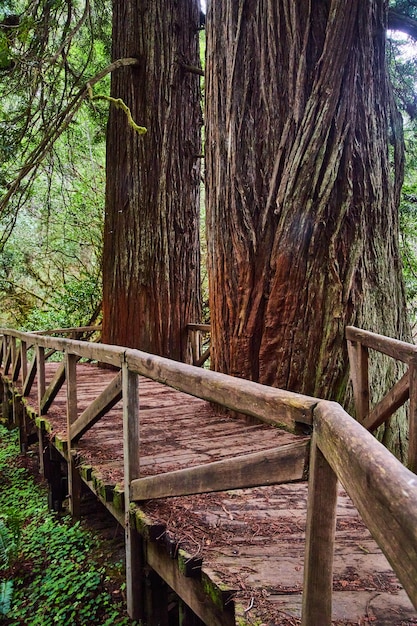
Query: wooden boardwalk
point(234, 557)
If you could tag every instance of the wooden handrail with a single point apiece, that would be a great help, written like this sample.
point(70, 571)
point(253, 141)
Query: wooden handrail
point(383, 491)
point(400, 350)
point(381, 488)
point(359, 342)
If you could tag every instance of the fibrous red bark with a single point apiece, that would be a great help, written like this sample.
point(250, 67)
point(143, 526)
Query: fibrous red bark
point(151, 235)
point(302, 189)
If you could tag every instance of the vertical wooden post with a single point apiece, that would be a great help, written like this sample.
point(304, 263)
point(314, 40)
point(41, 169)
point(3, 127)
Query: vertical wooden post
point(156, 599)
point(195, 340)
point(24, 357)
point(42, 447)
point(7, 354)
point(2, 349)
point(2, 396)
point(74, 480)
point(40, 358)
point(359, 374)
point(412, 420)
point(13, 353)
point(18, 418)
point(320, 534)
point(134, 546)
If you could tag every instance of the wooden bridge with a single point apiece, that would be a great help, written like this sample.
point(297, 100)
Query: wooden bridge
point(208, 476)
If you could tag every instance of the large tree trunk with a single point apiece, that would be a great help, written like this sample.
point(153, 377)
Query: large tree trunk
point(302, 197)
point(151, 276)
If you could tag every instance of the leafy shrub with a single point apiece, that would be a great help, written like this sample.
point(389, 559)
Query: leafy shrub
point(50, 574)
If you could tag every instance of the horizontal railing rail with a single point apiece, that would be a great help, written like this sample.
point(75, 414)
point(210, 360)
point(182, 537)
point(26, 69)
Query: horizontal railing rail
point(383, 491)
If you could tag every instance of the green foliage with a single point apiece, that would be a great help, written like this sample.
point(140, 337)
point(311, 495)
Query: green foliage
point(51, 225)
point(50, 575)
point(408, 245)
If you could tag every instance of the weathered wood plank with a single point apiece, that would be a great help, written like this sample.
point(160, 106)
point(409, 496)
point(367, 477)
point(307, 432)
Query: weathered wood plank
point(24, 358)
point(268, 404)
point(383, 490)
point(269, 467)
point(190, 589)
point(394, 348)
point(320, 537)
point(112, 355)
point(206, 328)
point(412, 419)
point(389, 404)
point(30, 377)
point(358, 359)
point(8, 357)
point(17, 364)
point(134, 558)
point(105, 401)
point(74, 482)
point(40, 358)
point(203, 358)
point(53, 388)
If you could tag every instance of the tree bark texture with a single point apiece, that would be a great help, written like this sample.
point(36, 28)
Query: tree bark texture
point(151, 258)
point(304, 167)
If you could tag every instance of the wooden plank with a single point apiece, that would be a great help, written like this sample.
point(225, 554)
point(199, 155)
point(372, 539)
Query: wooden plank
point(13, 346)
point(190, 589)
point(8, 357)
point(24, 358)
point(17, 364)
point(412, 419)
point(101, 405)
point(203, 358)
point(269, 467)
point(74, 481)
point(389, 404)
point(320, 537)
point(358, 359)
point(40, 358)
point(30, 378)
point(112, 355)
point(383, 490)
point(134, 556)
point(53, 388)
point(68, 331)
point(394, 348)
point(271, 405)
point(206, 328)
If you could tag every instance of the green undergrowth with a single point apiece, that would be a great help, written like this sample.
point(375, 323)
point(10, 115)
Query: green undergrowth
point(48, 571)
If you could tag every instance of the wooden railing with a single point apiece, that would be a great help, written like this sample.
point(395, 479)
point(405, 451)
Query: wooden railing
point(383, 491)
point(200, 342)
point(359, 343)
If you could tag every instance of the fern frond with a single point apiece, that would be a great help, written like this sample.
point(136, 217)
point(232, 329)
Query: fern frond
point(6, 593)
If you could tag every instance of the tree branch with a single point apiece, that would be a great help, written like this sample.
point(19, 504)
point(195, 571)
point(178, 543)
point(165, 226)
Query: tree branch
point(59, 125)
point(403, 23)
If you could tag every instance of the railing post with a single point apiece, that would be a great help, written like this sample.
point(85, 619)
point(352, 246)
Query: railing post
point(24, 358)
point(359, 374)
point(74, 480)
point(320, 535)
point(412, 420)
point(134, 546)
point(40, 358)
point(7, 353)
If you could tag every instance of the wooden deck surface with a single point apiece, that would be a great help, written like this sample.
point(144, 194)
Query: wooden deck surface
point(251, 540)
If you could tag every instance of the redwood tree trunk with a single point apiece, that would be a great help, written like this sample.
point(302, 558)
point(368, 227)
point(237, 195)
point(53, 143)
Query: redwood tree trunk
point(302, 196)
point(151, 277)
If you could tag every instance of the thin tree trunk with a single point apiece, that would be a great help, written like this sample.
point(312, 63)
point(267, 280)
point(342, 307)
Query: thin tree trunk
point(301, 192)
point(151, 277)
